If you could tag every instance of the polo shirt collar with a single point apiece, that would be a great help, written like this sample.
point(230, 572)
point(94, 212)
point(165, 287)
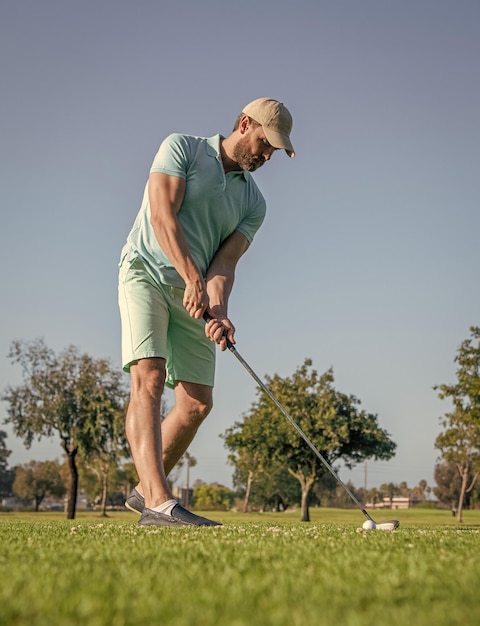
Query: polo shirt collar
point(213, 150)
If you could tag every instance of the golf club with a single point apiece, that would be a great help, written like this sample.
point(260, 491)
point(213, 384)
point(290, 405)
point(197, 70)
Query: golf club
point(372, 525)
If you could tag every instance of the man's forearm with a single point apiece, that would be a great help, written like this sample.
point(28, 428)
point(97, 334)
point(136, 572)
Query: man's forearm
point(171, 239)
point(221, 273)
point(219, 288)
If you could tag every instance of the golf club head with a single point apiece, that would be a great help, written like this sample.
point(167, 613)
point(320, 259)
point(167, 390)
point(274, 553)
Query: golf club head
point(391, 524)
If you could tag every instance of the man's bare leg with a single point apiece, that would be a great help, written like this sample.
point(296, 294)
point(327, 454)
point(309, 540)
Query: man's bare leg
point(144, 431)
point(143, 428)
point(192, 405)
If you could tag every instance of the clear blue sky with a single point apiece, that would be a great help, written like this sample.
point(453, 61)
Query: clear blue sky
point(368, 259)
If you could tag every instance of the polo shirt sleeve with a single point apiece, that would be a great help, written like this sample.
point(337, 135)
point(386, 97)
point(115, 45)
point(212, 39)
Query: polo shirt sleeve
point(254, 217)
point(173, 156)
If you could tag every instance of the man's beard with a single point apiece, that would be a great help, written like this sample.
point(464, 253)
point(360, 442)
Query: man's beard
point(244, 158)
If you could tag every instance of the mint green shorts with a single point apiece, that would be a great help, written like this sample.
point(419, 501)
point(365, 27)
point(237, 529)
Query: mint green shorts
point(156, 324)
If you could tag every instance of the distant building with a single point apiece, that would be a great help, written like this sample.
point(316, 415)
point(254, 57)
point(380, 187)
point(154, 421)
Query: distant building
point(10, 503)
point(397, 502)
point(83, 502)
point(183, 495)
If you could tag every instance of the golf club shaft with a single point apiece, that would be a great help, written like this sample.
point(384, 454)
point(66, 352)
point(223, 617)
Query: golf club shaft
point(259, 381)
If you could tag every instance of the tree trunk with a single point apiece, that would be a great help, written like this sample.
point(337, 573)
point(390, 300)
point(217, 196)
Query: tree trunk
point(73, 489)
point(305, 510)
point(464, 474)
point(247, 493)
point(306, 482)
point(103, 512)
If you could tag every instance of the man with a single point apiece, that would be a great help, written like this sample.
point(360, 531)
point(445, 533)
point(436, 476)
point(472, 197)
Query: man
point(200, 212)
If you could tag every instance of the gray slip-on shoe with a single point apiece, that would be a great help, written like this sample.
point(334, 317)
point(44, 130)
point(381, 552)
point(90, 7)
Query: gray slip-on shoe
point(178, 517)
point(135, 501)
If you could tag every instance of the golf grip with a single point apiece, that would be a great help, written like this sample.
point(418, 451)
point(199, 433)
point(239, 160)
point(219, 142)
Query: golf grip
point(258, 380)
point(207, 318)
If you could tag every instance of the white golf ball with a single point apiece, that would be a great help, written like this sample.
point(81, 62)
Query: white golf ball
point(369, 525)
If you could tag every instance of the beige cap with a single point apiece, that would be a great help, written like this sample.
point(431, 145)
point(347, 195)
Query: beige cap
point(276, 121)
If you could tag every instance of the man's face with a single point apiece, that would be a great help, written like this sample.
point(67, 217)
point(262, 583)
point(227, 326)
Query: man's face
point(252, 149)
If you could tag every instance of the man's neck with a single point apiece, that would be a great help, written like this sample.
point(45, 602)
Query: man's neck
point(226, 152)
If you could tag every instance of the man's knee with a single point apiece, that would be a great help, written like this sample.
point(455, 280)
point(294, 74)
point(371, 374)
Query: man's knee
point(198, 410)
point(204, 408)
point(194, 401)
point(147, 376)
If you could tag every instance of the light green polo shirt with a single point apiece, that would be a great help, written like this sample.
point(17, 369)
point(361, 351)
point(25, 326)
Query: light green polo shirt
point(215, 205)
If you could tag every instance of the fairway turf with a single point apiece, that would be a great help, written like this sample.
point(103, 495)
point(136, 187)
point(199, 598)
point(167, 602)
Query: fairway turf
point(271, 570)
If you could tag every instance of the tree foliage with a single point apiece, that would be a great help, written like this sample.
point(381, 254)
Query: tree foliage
point(37, 480)
point(449, 484)
point(213, 497)
point(332, 420)
point(102, 492)
point(6, 474)
point(72, 395)
point(459, 443)
point(263, 488)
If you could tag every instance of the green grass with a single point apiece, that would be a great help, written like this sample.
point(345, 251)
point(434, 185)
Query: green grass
point(257, 570)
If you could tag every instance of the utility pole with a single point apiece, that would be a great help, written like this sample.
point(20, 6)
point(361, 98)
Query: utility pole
point(188, 482)
point(191, 462)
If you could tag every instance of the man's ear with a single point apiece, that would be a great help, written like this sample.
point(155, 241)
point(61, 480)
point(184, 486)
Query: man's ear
point(245, 124)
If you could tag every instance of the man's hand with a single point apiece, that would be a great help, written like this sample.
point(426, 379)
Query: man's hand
point(220, 330)
point(195, 298)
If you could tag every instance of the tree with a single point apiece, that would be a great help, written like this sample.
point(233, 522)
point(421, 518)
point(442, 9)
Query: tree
point(388, 490)
point(81, 399)
point(263, 488)
point(37, 480)
point(6, 474)
point(449, 484)
point(107, 447)
point(372, 496)
point(331, 419)
point(89, 480)
point(459, 443)
point(129, 477)
point(102, 492)
point(243, 476)
point(421, 491)
point(213, 497)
